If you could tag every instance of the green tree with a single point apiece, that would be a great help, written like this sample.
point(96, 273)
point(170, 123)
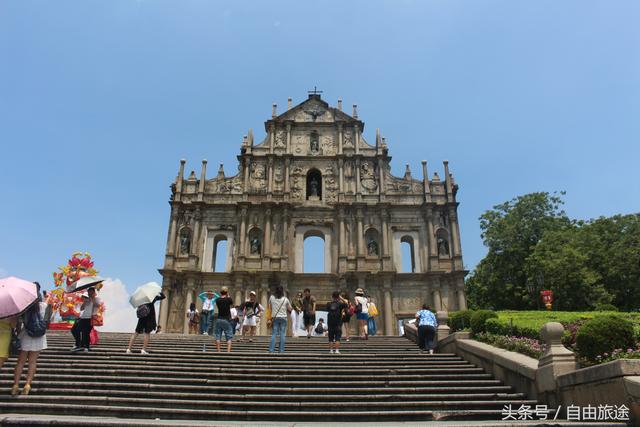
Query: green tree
point(511, 231)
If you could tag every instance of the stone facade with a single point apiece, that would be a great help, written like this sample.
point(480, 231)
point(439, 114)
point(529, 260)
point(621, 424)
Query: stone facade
point(314, 175)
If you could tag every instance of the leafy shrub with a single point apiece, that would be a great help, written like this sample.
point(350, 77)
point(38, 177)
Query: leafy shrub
point(479, 318)
point(606, 307)
point(603, 334)
point(459, 320)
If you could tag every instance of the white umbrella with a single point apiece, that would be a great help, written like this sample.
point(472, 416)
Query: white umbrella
point(145, 294)
point(84, 283)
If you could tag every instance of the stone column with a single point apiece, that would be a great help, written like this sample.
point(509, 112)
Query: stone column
point(286, 176)
point(171, 239)
point(164, 304)
point(388, 309)
point(203, 180)
point(432, 244)
point(239, 294)
point(243, 232)
point(188, 301)
point(179, 180)
point(340, 138)
point(555, 361)
point(384, 233)
point(267, 233)
point(286, 237)
point(360, 217)
point(264, 294)
point(288, 137)
point(272, 134)
point(381, 189)
point(195, 240)
point(356, 137)
point(357, 166)
point(455, 237)
point(246, 165)
point(341, 241)
point(341, 176)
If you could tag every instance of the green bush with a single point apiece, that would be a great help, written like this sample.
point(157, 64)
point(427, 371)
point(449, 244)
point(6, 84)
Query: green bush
point(603, 334)
point(494, 326)
point(479, 318)
point(459, 320)
point(606, 307)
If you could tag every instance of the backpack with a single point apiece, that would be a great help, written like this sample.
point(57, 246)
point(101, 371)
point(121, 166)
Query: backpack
point(335, 314)
point(351, 310)
point(319, 328)
point(34, 323)
point(143, 311)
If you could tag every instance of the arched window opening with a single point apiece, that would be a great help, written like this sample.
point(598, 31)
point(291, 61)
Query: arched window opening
point(313, 254)
point(372, 240)
point(314, 185)
point(255, 242)
point(408, 255)
point(220, 254)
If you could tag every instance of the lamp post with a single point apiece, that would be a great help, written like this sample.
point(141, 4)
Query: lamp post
point(533, 291)
point(540, 283)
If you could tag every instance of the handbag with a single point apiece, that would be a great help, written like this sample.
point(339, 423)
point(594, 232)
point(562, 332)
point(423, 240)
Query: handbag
point(15, 346)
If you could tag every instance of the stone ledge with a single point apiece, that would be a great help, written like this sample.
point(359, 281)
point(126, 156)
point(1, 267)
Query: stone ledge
point(510, 360)
point(605, 371)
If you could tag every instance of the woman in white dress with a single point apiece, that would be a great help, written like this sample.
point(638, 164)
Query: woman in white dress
point(31, 348)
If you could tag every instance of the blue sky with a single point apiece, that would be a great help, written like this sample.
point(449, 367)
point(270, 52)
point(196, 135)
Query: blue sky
point(99, 101)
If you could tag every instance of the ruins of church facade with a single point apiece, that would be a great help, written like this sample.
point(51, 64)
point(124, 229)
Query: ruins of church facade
point(314, 175)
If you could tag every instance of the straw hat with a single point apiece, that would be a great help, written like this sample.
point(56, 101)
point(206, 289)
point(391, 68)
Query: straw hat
point(359, 291)
point(252, 293)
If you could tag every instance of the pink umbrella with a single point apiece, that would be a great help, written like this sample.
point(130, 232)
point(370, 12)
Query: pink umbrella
point(16, 295)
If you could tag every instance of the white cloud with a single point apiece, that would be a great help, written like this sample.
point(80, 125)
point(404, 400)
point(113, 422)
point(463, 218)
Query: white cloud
point(119, 316)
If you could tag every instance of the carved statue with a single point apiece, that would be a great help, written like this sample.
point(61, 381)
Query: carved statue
point(313, 188)
point(367, 177)
point(256, 246)
point(348, 139)
point(280, 139)
point(314, 142)
point(443, 247)
point(372, 247)
point(185, 241)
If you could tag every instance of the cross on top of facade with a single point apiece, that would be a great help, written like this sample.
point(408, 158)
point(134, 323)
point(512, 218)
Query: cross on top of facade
point(315, 91)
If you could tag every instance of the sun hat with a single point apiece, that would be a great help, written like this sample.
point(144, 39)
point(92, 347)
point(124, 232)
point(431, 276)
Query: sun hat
point(252, 293)
point(359, 291)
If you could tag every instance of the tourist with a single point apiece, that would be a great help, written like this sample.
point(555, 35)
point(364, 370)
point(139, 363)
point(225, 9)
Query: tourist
point(194, 318)
point(427, 324)
point(308, 311)
point(252, 310)
point(81, 330)
point(348, 312)
point(33, 339)
point(280, 307)
point(235, 318)
point(6, 326)
point(223, 324)
point(146, 324)
point(335, 317)
point(296, 315)
point(321, 328)
point(362, 313)
point(206, 314)
point(373, 312)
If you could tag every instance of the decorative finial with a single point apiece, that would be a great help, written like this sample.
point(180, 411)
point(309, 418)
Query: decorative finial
point(340, 104)
point(355, 111)
point(289, 103)
point(274, 110)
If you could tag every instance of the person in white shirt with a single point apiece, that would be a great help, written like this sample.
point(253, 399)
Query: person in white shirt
point(280, 309)
point(82, 328)
point(362, 313)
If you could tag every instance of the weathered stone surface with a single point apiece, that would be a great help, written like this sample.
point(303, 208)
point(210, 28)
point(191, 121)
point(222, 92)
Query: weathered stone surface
point(314, 175)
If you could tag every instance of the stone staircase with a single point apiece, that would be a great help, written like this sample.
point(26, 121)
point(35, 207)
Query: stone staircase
point(382, 379)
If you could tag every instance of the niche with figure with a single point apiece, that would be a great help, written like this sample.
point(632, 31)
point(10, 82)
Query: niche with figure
point(372, 240)
point(442, 240)
point(314, 185)
point(255, 242)
point(185, 241)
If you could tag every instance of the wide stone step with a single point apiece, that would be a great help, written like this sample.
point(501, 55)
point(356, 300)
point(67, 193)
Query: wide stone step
point(205, 394)
point(284, 406)
point(249, 415)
